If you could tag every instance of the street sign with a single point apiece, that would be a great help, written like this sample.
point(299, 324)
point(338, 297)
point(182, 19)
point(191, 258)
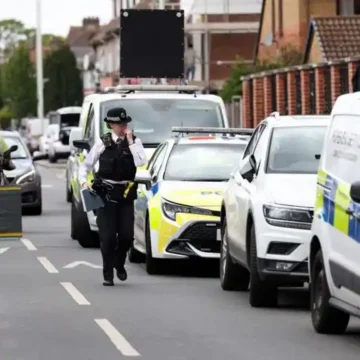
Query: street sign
point(78, 263)
point(2, 250)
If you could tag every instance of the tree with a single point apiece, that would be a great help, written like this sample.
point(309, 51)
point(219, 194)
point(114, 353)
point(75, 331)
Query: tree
point(64, 85)
point(288, 56)
point(6, 114)
point(11, 33)
point(18, 83)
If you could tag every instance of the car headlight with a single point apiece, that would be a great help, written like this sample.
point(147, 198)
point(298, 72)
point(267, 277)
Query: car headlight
point(288, 217)
point(28, 177)
point(170, 210)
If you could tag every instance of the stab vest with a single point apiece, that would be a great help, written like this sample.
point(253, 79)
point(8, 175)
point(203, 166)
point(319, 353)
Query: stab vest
point(116, 163)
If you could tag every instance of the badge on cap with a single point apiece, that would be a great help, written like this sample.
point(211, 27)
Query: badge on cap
point(122, 115)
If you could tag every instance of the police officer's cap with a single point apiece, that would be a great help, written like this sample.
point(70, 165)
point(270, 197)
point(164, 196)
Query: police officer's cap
point(117, 115)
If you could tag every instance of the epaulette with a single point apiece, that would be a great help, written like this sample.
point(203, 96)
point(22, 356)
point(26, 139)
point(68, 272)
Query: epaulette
point(106, 139)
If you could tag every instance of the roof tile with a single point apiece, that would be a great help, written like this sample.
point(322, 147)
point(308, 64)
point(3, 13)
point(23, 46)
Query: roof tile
point(339, 36)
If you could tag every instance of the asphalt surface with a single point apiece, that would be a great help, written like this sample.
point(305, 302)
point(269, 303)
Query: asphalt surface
point(50, 311)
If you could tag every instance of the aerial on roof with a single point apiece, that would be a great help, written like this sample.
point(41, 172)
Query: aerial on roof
point(337, 36)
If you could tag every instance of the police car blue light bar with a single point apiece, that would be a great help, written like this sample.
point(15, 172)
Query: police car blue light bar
point(187, 88)
point(211, 130)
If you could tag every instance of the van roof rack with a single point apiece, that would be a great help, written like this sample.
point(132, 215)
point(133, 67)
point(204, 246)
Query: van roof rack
point(211, 130)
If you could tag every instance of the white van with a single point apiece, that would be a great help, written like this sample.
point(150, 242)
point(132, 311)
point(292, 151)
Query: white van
point(335, 247)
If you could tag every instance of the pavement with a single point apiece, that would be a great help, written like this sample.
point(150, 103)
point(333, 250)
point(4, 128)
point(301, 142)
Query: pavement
point(54, 307)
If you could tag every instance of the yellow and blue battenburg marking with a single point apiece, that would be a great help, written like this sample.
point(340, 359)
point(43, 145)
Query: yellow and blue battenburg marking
point(335, 205)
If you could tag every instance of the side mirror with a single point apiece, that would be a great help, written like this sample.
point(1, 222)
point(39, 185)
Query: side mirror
point(248, 168)
point(143, 177)
point(355, 191)
point(37, 155)
point(75, 135)
point(13, 148)
point(82, 144)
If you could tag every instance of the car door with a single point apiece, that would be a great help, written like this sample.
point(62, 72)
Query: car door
point(242, 192)
point(143, 196)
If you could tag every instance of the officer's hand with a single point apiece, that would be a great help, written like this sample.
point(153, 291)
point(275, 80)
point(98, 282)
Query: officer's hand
point(86, 186)
point(129, 135)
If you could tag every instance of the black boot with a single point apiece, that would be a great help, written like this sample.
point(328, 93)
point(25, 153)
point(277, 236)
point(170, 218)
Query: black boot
point(108, 283)
point(121, 274)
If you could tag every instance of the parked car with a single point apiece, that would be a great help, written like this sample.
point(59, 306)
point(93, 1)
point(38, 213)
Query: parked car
point(155, 109)
point(62, 120)
point(268, 208)
point(25, 173)
point(177, 212)
point(335, 241)
point(50, 135)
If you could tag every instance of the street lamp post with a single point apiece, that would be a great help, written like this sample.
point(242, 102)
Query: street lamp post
point(39, 67)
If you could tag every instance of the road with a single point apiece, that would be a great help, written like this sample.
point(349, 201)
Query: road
point(50, 311)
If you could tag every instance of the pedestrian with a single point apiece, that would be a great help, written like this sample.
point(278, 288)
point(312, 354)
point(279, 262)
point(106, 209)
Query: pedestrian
point(119, 153)
point(8, 165)
point(190, 59)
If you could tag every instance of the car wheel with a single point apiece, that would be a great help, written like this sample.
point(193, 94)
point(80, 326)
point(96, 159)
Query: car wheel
point(152, 265)
point(232, 275)
point(81, 228)
point(135, 256)
point(52, 158)
point(36, 210)
point(262, 293)
point(325, 318)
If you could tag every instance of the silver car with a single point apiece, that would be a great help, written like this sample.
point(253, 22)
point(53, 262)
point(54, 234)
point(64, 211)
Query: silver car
point(25, 174)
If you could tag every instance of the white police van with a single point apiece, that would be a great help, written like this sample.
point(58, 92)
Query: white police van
point(335, 245)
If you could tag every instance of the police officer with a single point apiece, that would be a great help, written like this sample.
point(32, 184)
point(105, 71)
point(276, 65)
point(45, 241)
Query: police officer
point(119, 153)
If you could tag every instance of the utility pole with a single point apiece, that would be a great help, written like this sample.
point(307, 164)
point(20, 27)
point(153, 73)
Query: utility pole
point(39, 67)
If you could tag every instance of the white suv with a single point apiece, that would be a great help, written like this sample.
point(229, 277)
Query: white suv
point(268, 207)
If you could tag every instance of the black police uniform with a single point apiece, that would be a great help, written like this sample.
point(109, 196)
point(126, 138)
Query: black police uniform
point(116, 219)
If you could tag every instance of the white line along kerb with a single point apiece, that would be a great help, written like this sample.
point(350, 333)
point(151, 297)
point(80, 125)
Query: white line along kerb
point(49, 267)
point(28, 244)
point(75, 293)
point(116, 338)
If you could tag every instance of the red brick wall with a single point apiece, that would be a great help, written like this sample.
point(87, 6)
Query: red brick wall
point(262, 91)
point(227, 47)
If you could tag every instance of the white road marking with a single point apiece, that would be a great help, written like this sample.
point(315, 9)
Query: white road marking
point(75, 293)
point(117, 339)
point(28, 244)
point(49, 267)
point(47, 186)
point(2, 250)
point(77, 263)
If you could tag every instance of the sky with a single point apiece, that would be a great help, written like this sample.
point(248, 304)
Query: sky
point(59, 15)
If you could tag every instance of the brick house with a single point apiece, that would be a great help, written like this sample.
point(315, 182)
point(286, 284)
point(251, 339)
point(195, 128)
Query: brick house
point(79, 36)
point(230, 33)
point(287, 21)
point(330, 65)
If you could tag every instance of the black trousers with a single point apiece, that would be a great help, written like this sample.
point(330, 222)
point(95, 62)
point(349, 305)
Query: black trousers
point(116, 230)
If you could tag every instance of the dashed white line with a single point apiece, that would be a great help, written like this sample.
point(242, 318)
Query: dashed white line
point(75, 293)
point(48, 265)
point(116, 338)
point(28, 244)
point(47, 186)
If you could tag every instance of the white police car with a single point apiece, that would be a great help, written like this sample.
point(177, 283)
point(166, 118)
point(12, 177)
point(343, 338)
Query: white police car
point(335, 245)
point(267, 208)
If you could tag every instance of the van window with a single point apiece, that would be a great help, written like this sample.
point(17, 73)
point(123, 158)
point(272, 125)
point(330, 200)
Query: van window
point(342, 158)
point(152, 119)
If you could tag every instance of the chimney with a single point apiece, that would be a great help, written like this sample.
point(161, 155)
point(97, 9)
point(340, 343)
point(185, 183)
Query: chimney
point(91, 23)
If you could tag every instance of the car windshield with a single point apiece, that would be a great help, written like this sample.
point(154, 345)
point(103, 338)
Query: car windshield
point(203, 162)
point(69, 120)
point(152, 119)
point(21, 152)
point(295, 150)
